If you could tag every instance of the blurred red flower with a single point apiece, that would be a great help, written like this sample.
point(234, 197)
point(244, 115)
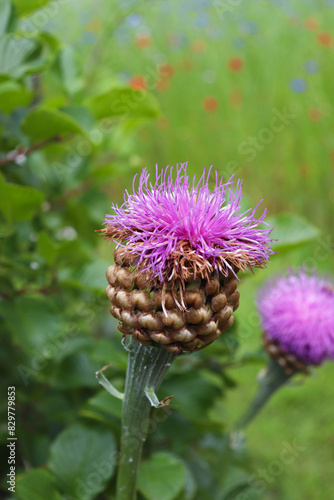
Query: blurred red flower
point(198, 46)
point(235, 64)
point(162, 85)
point(166, 70)
point(210, 103)
point(311, 23)
point(138, 82)
point(143, 41)
point(325, 39)
point(315, 114)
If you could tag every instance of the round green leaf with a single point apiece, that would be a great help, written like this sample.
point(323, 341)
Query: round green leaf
point(20, 56)
point(76, 370)
point(37, 485)
point(291, 231)
point(162, 477)
point(23, 7)
point(92, 275)
point(125, 102)
point(83, 460)
point(43, 123)
point(5, 15)
point(70, 70)
point(13, 95)
point(36, 326)
point(18, 202)
point(197, 398)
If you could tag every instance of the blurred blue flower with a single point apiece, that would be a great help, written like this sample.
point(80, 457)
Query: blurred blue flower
point(134, 20)
point(88, 37)
point(298, 85)
point(177, 40)
point(202, 20)
point(288, 7)
point(124, 76)
point(122, 34)
point(311, 67)
point(249, 28)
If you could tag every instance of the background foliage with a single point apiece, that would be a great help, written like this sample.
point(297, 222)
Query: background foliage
point(89, 94)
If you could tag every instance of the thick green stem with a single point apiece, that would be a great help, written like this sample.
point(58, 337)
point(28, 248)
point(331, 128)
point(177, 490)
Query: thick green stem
point(274, 378)
point(146, 369)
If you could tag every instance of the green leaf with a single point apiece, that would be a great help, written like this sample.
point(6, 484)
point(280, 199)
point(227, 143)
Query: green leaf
point(192, 393)
point(75, 343)
point(83, 460)
point(162, 477)
point(82, 115)
point(42, 123)
point(106, 352)
point(70, 71)
point(104, 404)
point(104, 409)
point(37, 485)
point(5, 15)
point(190, 487)
point(6, 229)
point(13, 95)
point(254, 357)
point(125, 102)
point(17, 202)
point(47, 248)
point(92, 276)
point(24, 7)
point(234, 492)
point(235, 479)
point(50, 40)
point(291, 231)
point(35, 324)
point(73, 253)
point(77, 370)
point(21, 56)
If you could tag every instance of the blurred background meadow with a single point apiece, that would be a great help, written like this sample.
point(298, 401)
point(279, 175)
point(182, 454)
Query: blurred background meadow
point(90, 93)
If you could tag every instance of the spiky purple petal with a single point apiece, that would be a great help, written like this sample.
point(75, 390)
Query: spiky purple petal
point(157, 218)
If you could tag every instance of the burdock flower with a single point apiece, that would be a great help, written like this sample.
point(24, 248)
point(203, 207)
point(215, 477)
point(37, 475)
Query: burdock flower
point(298, 319)
point(180, 247)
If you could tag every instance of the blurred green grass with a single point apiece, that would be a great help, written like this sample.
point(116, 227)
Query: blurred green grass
point(298, 160)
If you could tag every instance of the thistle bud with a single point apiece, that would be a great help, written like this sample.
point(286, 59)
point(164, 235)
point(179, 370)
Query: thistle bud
point(297, 314)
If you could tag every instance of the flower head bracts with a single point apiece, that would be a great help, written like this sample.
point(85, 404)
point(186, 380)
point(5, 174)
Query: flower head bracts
point(298, 312)
point(177, 227)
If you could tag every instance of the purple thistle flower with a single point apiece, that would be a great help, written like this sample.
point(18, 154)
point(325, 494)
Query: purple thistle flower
point(298, 313)
point(177, 226)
